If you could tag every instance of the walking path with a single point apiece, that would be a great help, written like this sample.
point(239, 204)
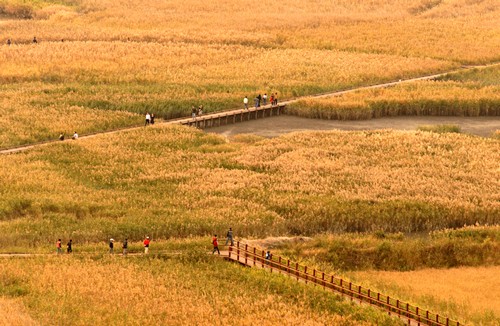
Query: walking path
point(11, 150)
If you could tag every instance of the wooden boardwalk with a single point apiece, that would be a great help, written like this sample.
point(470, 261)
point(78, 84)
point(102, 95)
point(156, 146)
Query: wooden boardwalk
point(232, 116)
point(412, 315)
point(216, 119)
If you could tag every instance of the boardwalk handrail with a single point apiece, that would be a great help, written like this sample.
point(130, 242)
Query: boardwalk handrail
point(252, 113)
point(252, 256)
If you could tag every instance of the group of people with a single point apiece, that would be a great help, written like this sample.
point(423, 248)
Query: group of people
point(196, 111)
point(229, 239)
point(147, 241)
point(62, 136)
point(150, 119)
point(34, 41)
point(124, 246)
point(69, 246)
point(262, 99)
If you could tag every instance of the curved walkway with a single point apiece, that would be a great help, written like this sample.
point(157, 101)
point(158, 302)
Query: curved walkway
point(11, 150)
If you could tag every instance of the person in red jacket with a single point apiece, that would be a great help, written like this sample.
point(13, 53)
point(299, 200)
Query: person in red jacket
point(146, 245)
point(59, 246)
point(215, 242)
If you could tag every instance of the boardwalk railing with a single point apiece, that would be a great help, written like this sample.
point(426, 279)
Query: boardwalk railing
point(252, 256)
point(234, 116)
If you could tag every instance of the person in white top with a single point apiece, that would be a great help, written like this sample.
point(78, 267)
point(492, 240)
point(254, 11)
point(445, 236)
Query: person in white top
point(245, 101)
point(75, 136)
point(148, 119)
point(264, 98)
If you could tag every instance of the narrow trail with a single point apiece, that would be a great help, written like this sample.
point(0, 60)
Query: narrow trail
point(16, 149)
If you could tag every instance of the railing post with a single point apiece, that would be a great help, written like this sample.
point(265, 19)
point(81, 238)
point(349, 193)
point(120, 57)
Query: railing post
point(254, 255)
point(297, 270)
point(238, 251)
point(263, 253)
point(288, 266)
point(270, 260)
point(230, 249)
point(305, 272)
point(369, 297)
point(323, 279)
point(314, 277)
point(246, 253)
point(397, 307)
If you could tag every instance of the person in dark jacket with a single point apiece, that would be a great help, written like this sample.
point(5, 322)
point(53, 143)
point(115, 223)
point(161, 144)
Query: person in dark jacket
point(125, 247)
point(229, 237)
point(69, 246)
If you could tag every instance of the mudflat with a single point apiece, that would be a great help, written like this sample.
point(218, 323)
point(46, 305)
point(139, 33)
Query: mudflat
point(275, 126)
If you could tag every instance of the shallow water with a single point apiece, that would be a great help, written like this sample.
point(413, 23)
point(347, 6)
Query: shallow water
point(275, 126)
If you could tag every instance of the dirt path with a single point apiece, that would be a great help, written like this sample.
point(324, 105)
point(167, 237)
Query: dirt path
point(275, 126)
point(11, 150)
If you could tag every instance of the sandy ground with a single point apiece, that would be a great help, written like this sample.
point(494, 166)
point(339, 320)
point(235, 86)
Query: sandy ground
point(275, 126)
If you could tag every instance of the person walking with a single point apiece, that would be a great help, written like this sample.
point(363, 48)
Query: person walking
point(125, 247)
point(276, 99)
point(111, 245)
point(61, 136)
point(193, 112)
point(256, 102)
point(152, 118)
point(75, 136)
point(229, 236)
point(200, 110)
point(146, 245)
point(259, 98)
point(9, 42)
point(269, 256)
point(215, 242)
point(264, 99)
point(148, 119)
point(245, 102)
point(59, 246)
point(69, 246)
point(35, 40)
point(271, 100)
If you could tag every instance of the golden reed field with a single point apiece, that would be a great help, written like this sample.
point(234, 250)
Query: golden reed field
point(102, 64)
point(466, 289)
point(471, 94)
point(102, 60)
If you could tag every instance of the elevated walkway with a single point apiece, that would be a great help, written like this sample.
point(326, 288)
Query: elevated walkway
point(412, 315)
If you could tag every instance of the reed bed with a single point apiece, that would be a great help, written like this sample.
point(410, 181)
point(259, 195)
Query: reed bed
point(176, 181)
